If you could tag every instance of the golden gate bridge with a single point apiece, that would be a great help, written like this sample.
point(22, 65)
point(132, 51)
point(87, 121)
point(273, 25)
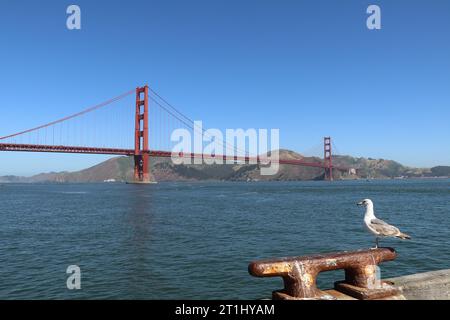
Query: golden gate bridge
point(138, 128)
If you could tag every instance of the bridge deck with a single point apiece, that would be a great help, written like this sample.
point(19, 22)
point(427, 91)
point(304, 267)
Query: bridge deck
point(152, 153)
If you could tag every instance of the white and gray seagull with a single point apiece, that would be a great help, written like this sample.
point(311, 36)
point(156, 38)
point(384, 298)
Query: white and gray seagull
point(378, 227)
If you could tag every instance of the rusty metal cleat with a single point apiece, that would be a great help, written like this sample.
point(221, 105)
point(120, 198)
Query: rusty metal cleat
point(300, 274)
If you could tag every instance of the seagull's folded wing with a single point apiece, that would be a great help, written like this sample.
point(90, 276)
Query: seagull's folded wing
point(384, 228)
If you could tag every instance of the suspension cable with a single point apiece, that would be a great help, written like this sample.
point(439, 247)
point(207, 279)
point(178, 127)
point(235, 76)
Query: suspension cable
point(98, 106)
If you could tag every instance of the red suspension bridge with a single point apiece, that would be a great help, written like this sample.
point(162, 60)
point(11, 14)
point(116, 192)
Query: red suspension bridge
point(145, 137)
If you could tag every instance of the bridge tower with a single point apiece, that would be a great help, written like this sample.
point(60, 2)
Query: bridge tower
point(141, 156)
point(327, 155)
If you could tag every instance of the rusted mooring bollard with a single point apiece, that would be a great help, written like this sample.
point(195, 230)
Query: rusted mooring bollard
point(300, 274)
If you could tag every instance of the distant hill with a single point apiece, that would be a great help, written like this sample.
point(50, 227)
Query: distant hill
point(162, 169)
point(440, 171)
point(379, 168)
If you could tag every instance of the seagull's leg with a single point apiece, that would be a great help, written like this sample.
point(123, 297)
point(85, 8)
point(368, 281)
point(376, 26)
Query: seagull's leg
point(376, 244)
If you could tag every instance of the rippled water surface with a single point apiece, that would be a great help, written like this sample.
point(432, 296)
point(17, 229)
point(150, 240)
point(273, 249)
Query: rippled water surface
point(195, 240)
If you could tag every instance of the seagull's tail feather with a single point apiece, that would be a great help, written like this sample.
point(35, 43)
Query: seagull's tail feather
point(403, 236)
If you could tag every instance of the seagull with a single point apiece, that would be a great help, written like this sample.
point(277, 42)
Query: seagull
point(378, 227)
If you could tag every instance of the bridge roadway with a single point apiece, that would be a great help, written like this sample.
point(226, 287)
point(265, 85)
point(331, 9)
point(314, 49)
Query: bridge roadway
point(152, 153)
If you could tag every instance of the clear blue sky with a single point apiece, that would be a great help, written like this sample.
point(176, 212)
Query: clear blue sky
point(309, 68)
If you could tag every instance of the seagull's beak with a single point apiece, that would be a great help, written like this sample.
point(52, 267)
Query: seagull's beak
point(359, 203)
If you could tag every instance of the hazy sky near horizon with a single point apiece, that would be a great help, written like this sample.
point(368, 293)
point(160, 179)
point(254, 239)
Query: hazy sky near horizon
point(309, 68)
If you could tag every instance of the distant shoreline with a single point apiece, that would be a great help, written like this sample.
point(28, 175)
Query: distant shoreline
point(2, 183)
point(121, 169)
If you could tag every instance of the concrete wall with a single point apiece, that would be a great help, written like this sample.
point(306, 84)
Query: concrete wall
point(434, 285)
